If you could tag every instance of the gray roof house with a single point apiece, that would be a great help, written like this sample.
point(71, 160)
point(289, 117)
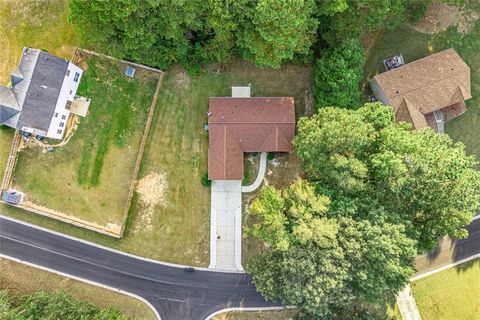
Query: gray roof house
point(43, 87)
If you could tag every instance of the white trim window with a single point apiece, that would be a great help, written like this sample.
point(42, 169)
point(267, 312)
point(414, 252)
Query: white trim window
point(77, 75)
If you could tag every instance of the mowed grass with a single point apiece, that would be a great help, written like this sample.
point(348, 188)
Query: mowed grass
point(89, 177)
point(6, 136)
point(453, 294)
point(414, 45)
point(179, 224)
point(20, 280)
point(177, 228)
point(37, 24)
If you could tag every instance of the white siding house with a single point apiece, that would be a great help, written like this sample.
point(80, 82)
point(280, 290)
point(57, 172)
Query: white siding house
point(43, 89)
point(68, 90)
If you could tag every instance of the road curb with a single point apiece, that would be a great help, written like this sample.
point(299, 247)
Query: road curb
point(246, 309)
point(111, 249)
point(446, 267)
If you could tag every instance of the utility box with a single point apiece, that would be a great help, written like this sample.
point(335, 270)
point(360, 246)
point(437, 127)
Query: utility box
point(12, 196)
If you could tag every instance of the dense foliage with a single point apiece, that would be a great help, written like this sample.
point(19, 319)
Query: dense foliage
point(338, 72)
point(266, 32)
point(161, 32)
point(52, 306)
point(422, 179)
point(376, 193)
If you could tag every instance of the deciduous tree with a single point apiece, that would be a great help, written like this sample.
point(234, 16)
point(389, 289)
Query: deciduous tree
point(420, 176)
point(337, 73)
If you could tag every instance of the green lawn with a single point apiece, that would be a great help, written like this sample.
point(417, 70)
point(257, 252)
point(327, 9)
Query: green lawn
point(36, 24)
point(174, 225)
point(21, 280)
point(6, 136)
point(177, 151)
point(453, 294)
point(90, 176)
point(414, 45)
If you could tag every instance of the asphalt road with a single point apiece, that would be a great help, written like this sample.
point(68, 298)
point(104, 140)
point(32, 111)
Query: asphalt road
point(451, 250)
point(174, 293)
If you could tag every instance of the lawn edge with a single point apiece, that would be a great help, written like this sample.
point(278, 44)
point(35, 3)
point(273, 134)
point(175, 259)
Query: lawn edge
point(85, 281)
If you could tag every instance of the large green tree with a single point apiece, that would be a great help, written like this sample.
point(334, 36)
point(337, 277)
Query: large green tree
point(156, 32)
point(320, 261)
point(337, 73)
point(423, 179)
point(277, 30)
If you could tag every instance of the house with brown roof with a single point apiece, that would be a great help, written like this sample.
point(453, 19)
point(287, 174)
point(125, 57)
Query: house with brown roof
point(237, 125)
point(427, 92)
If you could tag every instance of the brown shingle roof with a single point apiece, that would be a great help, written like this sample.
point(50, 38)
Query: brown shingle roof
point(428, 84)
point(238, 125)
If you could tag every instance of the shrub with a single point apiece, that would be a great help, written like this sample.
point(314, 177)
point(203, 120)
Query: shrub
point(337, 75)
point(205, 181)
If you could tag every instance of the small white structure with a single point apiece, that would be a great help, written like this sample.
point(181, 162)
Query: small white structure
point(241, 92)
point(12, 196)
point(41, 95)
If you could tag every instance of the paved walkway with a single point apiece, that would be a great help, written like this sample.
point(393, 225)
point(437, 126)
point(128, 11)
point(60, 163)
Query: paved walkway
point(226, 225)
point(261, 173)
point(407, 306)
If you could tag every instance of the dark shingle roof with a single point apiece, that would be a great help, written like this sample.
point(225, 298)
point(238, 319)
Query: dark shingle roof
point(43, 92)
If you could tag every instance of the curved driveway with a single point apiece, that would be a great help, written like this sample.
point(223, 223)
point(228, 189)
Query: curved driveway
point(172, 292)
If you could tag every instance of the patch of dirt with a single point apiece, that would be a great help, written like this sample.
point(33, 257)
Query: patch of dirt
point(440, 16)
point(152, 191)
point(309, 103)
point(182, 80)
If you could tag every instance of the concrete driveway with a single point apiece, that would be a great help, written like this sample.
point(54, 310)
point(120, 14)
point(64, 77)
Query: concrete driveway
point(226, 225)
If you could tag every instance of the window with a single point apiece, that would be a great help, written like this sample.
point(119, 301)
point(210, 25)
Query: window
point(64, 117)
point(77, 75)
point(56, 114)
point(59, 131)
point(68, 105)
point(67, 73)
point(71, 92)
point(62, 124)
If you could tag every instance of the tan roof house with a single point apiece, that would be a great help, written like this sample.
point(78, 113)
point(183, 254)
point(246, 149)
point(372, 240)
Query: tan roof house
point(241, 124)
point(427, 92)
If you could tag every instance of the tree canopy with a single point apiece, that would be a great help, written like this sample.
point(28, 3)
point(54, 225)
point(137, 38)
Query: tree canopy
point(266, 32)
point(315, 257)
point(338, 72)
point(375, 194)
point(276, 30)
point(422, 178)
